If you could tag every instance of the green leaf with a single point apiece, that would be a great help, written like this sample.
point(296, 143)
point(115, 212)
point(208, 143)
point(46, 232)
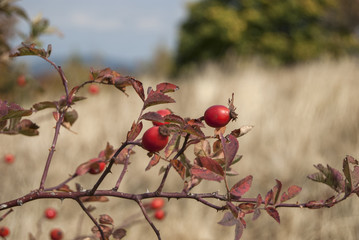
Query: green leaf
point(28, 50)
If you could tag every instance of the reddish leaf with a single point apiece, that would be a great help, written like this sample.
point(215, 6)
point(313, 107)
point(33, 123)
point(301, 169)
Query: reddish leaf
point(256, 214)
point(230, 148)
point(172, 145)
point(56, 115)
point(85, 167)
point(233, 209)
point(152, 116)
point(273, 213)
point(29, 49)
point(153, 162)
point(173, 118)
point(330, 176)
point(204, 173)
point(105, 219)
point(284, 197)
point(294, 191)
point(137, 85)
point(228, 220)
point(181, 170)
point(259, 200)
point(166, 87)
point(276, 190)
point(240, 188)
point(107, 231)
point(134, 132)
point(238, 230)
point(64, 188)
point(351, 160)
point(119, 233)
point(193, 130)
point(268, 197)
point(124, 155)
point(107, 153)
point(155, 98)
point(211, 165)
point(247, 207)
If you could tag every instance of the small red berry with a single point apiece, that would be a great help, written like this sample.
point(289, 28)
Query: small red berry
point(157, 203)
point(217, 116)
point(50, 213)
point(153, 140)
point(160, 214)
point(162, 112)
point(94, 89)
point(4, 231)
point(56, 234)
point(97, 166)
point(9, 158)
point(21, 80)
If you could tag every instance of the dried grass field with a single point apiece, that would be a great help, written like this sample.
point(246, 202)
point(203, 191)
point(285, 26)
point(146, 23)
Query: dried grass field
point(304, 115)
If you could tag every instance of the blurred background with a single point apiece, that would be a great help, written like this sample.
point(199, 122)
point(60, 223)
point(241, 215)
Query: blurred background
point(292, 66)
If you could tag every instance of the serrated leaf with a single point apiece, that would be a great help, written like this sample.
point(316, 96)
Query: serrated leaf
point(273, 213)
point(153, 162)
point(173, 118)
point(241, 187)
point(137, 85)
point(206, 174)
point(230, 148)
point(134, 132)
point(155, 98)
point(238, 230)
point(166, 87)
point(276, 190)
point(329, 176)
point(211, 165)
point(172, 145)
point(181, 170)
point(268, 198)
point(152, 116)
point(256, 214)
point(29, 49)
point(228, 220)
point(193, 131)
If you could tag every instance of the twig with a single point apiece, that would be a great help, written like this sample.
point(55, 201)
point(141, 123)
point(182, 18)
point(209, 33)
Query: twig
point(181, 151)
point(7, 213)
point(62, 184)
point(91, 217)
point(148, 219)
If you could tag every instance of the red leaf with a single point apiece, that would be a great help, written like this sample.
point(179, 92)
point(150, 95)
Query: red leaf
point(166, 87)
point(155, 98)
point(230, 148)
point(152, 116)
point(173, 145)
point(256, 214)
point(242, 186)
point(273, 213)
point(137, 85)
point(119, 233)
point(293, 191)
point(228, 220)
point(284, 197)
point(211, 165)
point(134, 132)
point(153, 162)
point(204, 173)
point(268, 197)
point(259, 200)
point(276, 190)
point(233, 209)
point(247, 207)
point(239, 230)
point(85, 167)
point(105, 219)
point(181, 170)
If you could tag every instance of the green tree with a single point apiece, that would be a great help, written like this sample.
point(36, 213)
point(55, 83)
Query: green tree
point(280, 32)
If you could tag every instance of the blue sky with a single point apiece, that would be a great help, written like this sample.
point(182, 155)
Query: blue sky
point(117, 29)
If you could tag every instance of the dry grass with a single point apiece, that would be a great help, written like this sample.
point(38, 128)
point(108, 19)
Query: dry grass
point(303, 116)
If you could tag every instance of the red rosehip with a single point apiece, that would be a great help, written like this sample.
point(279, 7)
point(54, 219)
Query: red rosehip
point(94, 89)
point(9, 158)
point(162, 112)
point(157, 203)
point(217, 116)
point(50, 213)
point(97, 166)
point(21, 80)
point(160, 214)
point(153, 140)
point(56, 234)
point(4, 231)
